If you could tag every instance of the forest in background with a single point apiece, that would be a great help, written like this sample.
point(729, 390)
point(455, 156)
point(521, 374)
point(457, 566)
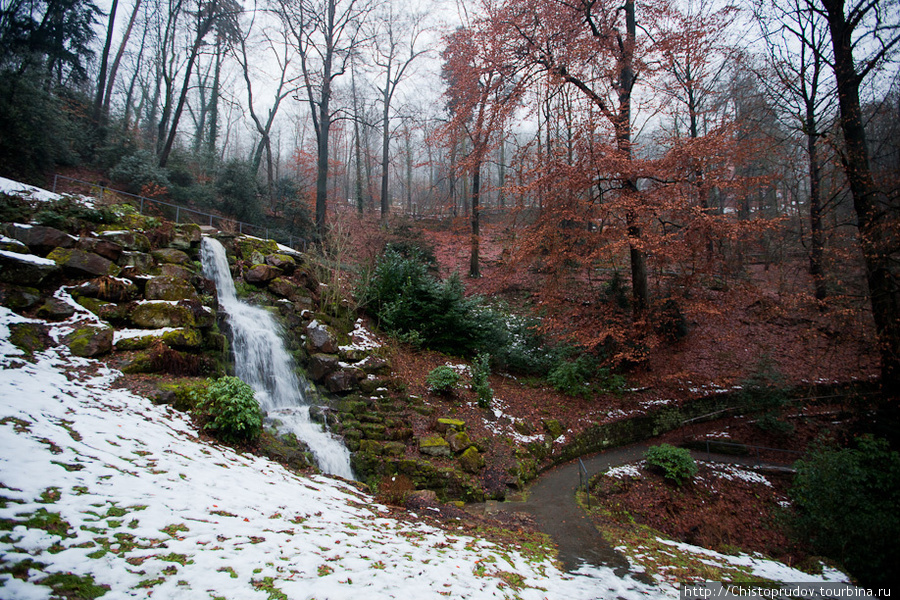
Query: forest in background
point(628, 160)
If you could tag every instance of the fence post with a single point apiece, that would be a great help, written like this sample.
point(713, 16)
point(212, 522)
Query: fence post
point(55, 177)
point(142, 206)
point(177, 213)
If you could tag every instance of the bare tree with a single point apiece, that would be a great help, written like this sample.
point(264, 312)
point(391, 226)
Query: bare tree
point(396, 48)
point(326, 34)
point(800, 88)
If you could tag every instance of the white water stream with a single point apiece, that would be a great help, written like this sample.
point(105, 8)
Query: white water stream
point(260, 359)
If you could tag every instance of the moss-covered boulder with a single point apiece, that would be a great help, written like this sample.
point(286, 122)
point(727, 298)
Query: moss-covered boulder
point(459, 441)
point(79, 263)
point(159, 314)
point(19, 298)
point(133, 343)
point(343, 380)
point(373, 431)
point(171, 256)
point(90, 341)
point(371, 447)
point(444, 425)
point(183, 394)
point(434, 445)
point(284, 263)
point(111, 289)
point(245, 246)
point(140, 262)
point(286, 288)
point(185, 337)
point(11, 245)
point(29, 337)
point(169, 288)
point(186, 236)
point(553, 428)
point(184, 272)
point(394, 449)
point(261, 274)
point(133, 241)
point(471, 461)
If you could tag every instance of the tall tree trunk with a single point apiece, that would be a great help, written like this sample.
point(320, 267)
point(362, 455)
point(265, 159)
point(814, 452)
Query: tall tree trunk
point(104, 63)
point(875, 235)
point(385, 147)
point(111, 79)
point(817, 241)
point(474, 270)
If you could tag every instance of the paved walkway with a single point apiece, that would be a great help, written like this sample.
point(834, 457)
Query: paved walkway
point(551, 502)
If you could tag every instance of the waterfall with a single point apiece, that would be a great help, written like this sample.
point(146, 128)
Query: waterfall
point(260, 359)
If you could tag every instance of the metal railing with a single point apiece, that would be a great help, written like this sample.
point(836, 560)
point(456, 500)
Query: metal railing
point(584, 481)
point(183, 214)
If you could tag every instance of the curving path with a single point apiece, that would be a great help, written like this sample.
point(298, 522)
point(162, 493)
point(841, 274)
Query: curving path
point(551, 502)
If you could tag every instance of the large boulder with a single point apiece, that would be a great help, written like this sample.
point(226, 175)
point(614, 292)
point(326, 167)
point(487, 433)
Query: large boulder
point(158, 314)
point(79, 263)
point(434, 445)
point(111, 289)
point(169, 288)
point(54, 309)
point(187, 235)
point(171, 256)
point(459, 441)
point(27, 269)
point(261, 274)
point(321, 338)
point(130, 240)
point(19, 298)
point(38, 238)
point(321, 365)
point(176, 271)
point(343, 380)
point(140, 262)
point(90, 341)
point(471, 461)
point(108, 249)
point(283, 262)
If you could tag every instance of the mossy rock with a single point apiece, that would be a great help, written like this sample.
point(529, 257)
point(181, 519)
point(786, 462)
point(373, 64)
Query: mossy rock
point(133, 241)
point(471, 461)
point(20, 298)
point(553, 428)
point(159, 314)
point(434, 445)
point(372, 431)
point(21, 269)
point(444, 424)
point(287, 450)
point(245, 246)
point(29, 337)
point(136, 343)
point(172, 256)
point(425, 411)
point(90, 341)
point(137, 261)
point(183, 338)
point(80, 263)
point(55, 310)
point(459, 441)
point(169, 288)
point(371, 446)
point(283, 262)
point(399, 434)
point(394, 449)
point(184, 395)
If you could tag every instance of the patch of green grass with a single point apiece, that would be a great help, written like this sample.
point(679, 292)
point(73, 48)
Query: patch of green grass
point(181, 559)
point(50, 496)
point(325, 570)
point(172, 530)
point(19, 425)
point(75, 587)
point(267, 584)
point(149, 583)
point(230, 570)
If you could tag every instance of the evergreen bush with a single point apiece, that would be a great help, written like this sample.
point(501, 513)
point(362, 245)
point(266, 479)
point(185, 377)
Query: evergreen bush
point(676, 464)
point(481, 370)
point(442, 380)
point(846, 502)
point(230, 411)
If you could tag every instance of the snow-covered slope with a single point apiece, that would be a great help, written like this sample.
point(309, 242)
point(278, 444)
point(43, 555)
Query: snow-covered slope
point(99, 482)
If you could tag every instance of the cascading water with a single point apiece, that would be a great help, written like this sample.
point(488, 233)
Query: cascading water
point(260, 359)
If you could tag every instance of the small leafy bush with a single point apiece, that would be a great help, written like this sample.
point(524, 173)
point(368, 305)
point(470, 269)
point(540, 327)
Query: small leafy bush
point(571, 377)
point(481, 370)
point(231, 412)
point(676, 464)
point(138, 170)
point(846, 503)
point(442, 380)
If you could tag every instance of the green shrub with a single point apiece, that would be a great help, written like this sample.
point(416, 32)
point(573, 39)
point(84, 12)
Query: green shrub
point(846, 502)
point(138, 170)
point(675, 463)
point(231, 412)
point(442, 380)
point(481, 370)
point(570, 377)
